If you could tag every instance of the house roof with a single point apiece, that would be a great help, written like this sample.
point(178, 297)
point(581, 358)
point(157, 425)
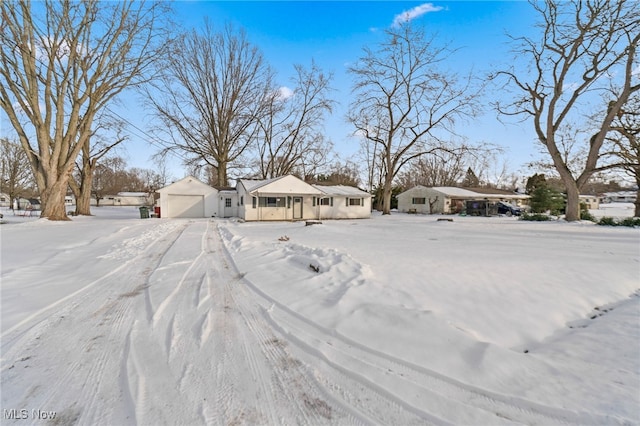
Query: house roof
point(252, 184)
point(342, 190)
point(452, 191)
point(287, 184)
point(188, 181)
point(132, 194)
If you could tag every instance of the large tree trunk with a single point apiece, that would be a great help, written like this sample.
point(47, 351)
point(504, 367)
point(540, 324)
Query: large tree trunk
point(52, 199)
point(637, 203)
point(83, 194)
point(222, 174)
point(386, 194)
point(83, 198)
point(572, 213)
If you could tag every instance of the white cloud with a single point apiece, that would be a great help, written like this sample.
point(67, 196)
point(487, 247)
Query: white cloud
point(284, 93)
point(410, 15)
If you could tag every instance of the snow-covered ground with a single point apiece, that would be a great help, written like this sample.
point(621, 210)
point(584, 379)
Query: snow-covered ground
point(399, 319)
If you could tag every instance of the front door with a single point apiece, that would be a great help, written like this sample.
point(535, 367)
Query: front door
point(297, 207)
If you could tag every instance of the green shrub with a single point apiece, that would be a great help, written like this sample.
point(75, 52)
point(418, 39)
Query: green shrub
point(631, 221)
point(607, 221)
point(585, 215)
point(536, 217)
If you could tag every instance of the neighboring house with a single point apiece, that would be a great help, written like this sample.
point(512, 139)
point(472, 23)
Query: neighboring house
point(188, 197)
point(33, 204)
point(446, 199)
point(619, 197)
point(282, 198)
point(125, 199)
point(591, 201)
point(5, 200)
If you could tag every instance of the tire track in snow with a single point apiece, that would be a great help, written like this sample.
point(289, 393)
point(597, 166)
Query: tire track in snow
point(248, 354)
point(89, 335)
point(430, 395)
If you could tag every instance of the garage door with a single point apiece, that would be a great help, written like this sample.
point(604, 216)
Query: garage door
point(186, 206)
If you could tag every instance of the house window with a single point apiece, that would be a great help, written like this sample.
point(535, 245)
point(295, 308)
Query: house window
point(354, 202)
point(325, 201)
point(242, 200)
point(227, 202)
point(421, 200)
point(272, 202)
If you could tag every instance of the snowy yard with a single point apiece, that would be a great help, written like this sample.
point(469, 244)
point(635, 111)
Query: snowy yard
point(395, 320)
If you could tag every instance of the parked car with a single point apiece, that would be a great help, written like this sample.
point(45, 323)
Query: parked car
point(508, 209)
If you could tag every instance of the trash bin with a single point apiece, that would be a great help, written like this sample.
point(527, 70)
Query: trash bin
point(144, 213)
point(156, 210)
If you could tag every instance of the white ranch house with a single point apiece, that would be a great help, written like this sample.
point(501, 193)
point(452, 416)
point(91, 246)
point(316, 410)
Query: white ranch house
point(451, 200)
point(282, 198)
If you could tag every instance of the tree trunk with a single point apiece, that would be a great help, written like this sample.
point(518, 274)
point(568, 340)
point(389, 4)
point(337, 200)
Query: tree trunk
point(83, 195)
point(386, 195)
point(83, 199)
point(572, 212)
point(637, 203)
point(222, 174)
point(52, 199)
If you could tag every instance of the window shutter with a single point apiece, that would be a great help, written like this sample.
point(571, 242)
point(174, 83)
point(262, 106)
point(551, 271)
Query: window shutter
point(253, 202)
point(314, 201)
point(331, 201)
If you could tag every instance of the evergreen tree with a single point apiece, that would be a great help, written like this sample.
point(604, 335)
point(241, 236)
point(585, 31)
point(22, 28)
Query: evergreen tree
point(470, 179)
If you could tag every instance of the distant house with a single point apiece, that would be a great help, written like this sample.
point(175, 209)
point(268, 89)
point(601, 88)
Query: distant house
point(5, 200)
point(281, 198)
point(125, 199)
point(619, 197)
point(592, 202)
point(447, 199)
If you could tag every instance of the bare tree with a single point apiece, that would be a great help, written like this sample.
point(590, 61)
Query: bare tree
point(61, 63)
point(290, 134)
point(584, 46)
point(217, 86)
point(404, 102)
point(95, 148)
point(16, 176)
point(441, 169)
point(622, 148)
point(338, 173)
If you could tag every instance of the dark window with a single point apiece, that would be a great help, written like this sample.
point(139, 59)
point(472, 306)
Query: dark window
point(355, 201)
point(272, 202)
point(227, 202)
point(325, 201)
point(419, 200)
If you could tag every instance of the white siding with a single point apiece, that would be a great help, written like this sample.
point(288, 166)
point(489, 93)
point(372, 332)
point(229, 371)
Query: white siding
point(406, 200)
point(188, 197)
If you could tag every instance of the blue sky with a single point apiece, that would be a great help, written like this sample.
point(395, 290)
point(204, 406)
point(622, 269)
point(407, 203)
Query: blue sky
point(333, 33)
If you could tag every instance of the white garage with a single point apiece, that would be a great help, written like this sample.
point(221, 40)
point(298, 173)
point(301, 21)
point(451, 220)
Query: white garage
point(188, 198)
